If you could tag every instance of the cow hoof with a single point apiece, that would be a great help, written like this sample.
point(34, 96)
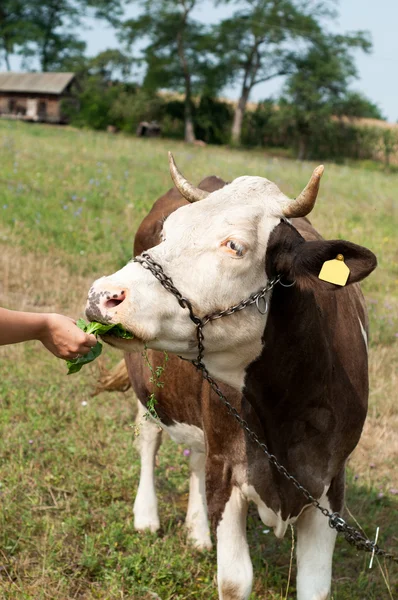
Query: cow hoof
point(200, 543)
point(146, 524)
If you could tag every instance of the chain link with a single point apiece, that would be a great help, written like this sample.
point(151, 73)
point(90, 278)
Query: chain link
point(336, 521)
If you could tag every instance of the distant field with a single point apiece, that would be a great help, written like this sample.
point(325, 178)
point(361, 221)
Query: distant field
point(70, 203)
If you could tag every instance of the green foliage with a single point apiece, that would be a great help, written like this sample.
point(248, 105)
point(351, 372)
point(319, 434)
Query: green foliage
point(259, 126)
point(274, 125)
point(177, 52)
point(46, 29)
point(356, 104)
point(317, 89)
point(13, 28)
point(213, 119)
point(156, 374)
point(74, 365)
point(255, 44)
point(130, 108)
point(177, 46)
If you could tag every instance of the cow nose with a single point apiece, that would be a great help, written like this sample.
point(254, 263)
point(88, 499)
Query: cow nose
point(103, 299)
point(112, 299)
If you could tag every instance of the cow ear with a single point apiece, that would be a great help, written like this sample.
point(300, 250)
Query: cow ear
point(310, 257)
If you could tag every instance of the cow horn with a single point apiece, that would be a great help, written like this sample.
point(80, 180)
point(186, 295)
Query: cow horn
point(186, 189)
point(304, 203)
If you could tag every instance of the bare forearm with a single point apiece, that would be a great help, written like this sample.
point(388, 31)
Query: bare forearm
point(59, 334)
point(21, 326)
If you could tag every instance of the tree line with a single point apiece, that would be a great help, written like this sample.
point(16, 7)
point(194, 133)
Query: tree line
point(167, 47)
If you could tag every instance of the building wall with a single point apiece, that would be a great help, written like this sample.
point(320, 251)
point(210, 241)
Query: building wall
point(37, 107)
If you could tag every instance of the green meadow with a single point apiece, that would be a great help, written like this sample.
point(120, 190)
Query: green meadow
point(70, 203)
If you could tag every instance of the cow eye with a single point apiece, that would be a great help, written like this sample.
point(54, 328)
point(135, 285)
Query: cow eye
point(236, 247)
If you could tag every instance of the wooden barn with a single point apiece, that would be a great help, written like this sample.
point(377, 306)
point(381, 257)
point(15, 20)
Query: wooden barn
point(35, 96)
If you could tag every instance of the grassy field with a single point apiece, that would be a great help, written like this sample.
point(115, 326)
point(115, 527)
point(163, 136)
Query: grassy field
point(69, 206)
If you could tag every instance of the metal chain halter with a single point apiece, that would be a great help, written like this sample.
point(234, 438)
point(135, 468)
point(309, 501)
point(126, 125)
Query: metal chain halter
point(336, 521)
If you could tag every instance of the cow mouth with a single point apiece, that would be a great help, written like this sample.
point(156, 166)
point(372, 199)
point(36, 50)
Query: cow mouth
point(123, 343)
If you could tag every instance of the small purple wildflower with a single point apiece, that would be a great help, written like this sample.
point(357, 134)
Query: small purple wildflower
point(30, 441)
point(65, 207)
point(186, 452)
point(393, 491)
point(380, 495)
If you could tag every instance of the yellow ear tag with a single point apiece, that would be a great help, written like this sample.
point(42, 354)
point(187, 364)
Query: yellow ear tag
point(335, 271)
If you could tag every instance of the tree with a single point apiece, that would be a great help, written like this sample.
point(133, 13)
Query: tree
point(317, 90)
point(12, 27)
point(177, 51)
point(51, 25)
point(255, 44)
point(356, 104)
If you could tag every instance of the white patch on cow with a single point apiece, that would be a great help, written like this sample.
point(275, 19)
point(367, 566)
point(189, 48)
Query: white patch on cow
point(315, 545)
point(192, 254)
point(190, 435)
point(234, 567)
point(269, 517)
point(197, 520)
point(146, 505)
point(363, 331)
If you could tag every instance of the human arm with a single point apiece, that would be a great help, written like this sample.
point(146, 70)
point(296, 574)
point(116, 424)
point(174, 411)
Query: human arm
point(59, 334)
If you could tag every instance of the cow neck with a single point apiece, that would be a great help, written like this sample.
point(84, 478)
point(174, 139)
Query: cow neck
point(291, 374)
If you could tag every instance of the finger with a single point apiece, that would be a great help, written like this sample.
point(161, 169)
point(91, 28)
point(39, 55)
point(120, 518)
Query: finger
point(85, 349)
point(90, 340)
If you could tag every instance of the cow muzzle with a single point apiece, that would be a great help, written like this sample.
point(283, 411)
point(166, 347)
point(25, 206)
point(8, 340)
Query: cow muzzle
point(103, 301)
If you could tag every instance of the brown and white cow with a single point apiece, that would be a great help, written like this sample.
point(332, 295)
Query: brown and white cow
point(302, 367)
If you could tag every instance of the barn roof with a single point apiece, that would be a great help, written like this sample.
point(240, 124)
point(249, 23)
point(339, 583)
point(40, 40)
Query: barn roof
point(41, 83)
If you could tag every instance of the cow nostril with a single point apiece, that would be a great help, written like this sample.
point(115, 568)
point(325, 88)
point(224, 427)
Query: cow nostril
point(115, 300)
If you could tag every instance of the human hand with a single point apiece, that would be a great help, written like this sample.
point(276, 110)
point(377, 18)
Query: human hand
point(61, 336)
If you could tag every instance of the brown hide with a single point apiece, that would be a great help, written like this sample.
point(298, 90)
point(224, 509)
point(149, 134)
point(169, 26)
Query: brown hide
point(307, 394)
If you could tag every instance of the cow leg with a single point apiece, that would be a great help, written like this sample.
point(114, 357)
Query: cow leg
point(315, 545)
point(146, 505)
point(234, 567)
point(196, 520)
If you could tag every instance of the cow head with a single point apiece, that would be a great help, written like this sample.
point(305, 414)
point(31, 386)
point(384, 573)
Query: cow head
point(215, 250)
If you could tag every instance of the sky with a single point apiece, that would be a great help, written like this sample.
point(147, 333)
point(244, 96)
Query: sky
point(378, 71)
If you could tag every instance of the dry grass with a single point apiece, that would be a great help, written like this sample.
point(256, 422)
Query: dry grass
point(375, 459)
point(34, 282)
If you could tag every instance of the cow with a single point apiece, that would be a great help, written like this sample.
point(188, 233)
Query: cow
point(298, 360)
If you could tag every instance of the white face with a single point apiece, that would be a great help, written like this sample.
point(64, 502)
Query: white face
point(214, 251)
